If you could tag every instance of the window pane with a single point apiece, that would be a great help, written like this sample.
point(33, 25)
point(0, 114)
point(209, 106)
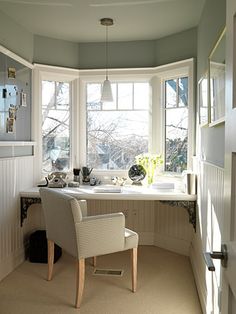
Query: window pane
point(176, 139)
point(125, 96)
point(141, 95)
point(56, 126)
point(170, 94)
point(183, 92)
point(115, 138)
point(93, 96)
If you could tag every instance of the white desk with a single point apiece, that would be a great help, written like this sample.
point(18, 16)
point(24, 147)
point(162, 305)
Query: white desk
point(172, 197)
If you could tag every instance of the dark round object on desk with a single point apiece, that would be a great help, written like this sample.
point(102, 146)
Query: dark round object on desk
point(136, 173)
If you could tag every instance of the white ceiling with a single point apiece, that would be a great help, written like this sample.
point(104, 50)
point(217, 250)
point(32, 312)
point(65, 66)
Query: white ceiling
point(79, 20)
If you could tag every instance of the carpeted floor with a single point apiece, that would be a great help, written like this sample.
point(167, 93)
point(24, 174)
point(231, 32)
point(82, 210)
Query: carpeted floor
point(165, 286)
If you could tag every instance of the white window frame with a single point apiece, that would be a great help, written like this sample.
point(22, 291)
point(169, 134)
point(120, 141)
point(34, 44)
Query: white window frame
point(156, 77)
point(97, 76)
point(51, 73)
point(166, 72)
point(79, 78)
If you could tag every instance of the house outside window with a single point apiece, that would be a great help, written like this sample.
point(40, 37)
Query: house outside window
point(117, 131)
point(56, 155)
point(176, 124)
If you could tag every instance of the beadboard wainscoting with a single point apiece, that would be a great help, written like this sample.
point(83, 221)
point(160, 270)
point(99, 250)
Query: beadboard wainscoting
point(173, 231)
point(139, 215)
point(209, 225)
point(16, 174)
point(156, 223)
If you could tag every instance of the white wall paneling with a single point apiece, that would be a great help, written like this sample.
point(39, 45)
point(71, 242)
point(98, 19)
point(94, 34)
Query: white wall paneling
point(209, 224)
point(139, 215)
point(156, 223)
point(172, 228)
point(15, 175)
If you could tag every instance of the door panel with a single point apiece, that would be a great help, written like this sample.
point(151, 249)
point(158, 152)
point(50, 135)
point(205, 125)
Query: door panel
point(229, 232)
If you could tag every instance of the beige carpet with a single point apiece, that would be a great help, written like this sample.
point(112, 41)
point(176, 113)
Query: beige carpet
point(165, 286)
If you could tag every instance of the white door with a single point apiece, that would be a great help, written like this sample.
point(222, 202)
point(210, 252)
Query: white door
point(229, 234)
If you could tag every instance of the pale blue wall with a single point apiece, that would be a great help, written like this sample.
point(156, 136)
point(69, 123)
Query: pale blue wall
point(212, 23)
point(55, 52)
point(176, 47)
point(147, 53)
point(15, 38)
point(132, 54)
point(121, 54)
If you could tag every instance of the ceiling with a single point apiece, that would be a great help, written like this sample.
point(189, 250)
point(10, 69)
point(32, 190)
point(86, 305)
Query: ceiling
point(79, 20)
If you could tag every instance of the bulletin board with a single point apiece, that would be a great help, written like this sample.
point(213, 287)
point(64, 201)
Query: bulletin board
point(15, 100)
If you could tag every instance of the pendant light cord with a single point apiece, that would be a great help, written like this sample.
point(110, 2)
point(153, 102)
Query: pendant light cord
point(106, 52)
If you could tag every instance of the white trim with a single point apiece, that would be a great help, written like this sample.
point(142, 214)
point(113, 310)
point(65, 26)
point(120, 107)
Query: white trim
point(17, 143)
point(200, 283)
point(57, 69)
point(175, 72)
point(40, 73)
point(14, 56)
point(135, 71)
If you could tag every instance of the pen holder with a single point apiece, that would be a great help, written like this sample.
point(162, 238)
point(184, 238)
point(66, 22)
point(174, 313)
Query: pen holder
point(76, 172)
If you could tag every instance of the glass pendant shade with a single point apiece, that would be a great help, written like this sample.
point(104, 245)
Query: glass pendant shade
point(106, 87)
point(106, 91)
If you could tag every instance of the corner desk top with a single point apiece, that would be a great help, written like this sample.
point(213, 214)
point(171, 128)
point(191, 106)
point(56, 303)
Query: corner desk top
point(126, 193)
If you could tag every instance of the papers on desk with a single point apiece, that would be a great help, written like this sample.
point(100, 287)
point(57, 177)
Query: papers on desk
point(107, 189)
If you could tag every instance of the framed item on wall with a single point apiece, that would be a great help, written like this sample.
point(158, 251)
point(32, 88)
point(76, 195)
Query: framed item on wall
point(217, 81)
point(23, 99)
point(203, 107)
point(11, 73)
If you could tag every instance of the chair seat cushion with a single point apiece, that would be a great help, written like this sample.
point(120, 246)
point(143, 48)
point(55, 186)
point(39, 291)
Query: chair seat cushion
point(131, 239)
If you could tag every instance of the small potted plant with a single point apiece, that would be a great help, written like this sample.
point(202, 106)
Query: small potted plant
point(150, 162)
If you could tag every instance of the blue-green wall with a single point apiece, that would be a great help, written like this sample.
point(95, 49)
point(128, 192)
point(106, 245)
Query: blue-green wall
point(176, 47)
point(15, 38)
point(132, 54)
point(55, 52)
point(211, 25)
point(146, 53)
point(121, 54)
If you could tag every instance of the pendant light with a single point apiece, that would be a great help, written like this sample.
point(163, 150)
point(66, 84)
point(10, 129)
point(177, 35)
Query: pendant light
point(106, 87)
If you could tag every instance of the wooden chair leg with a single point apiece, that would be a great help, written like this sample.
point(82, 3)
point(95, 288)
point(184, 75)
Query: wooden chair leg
point(95, 261)
point(80, 281)
point(134, 254)
point(50, 258)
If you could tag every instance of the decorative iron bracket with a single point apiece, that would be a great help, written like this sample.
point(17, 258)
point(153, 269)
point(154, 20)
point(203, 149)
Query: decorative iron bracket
point(190, 206)
point(25, 203)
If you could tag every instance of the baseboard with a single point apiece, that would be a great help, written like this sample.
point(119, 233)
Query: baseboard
point(11, 262)
point(201, 287)
point(146, 238)
point(172, 244)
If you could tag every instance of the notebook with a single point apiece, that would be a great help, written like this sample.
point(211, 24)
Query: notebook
point(107, 189)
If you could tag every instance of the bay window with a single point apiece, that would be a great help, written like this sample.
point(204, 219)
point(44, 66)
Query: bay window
point(152, 111)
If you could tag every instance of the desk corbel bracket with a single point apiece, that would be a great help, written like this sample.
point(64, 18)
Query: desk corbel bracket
point(25, 203)
point(190, 206)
